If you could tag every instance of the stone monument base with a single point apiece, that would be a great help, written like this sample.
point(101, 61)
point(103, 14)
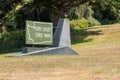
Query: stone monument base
point(48, 51)
point(31, 49)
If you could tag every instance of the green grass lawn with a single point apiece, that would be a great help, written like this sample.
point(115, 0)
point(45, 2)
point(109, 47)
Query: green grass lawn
point(98, 59)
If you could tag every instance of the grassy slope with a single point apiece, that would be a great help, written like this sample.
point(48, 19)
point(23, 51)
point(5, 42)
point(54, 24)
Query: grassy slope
point(105, 39)
point(99, 59)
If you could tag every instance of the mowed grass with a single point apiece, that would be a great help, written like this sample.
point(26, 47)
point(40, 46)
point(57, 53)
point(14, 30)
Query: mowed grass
point(98, 59)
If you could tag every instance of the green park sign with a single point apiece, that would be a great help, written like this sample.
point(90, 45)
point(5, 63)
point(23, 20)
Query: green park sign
point(39, 33)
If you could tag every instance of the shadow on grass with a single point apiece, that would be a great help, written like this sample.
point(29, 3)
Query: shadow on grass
point(79, 36)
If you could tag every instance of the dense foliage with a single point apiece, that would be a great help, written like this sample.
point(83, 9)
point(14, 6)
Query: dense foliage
point(13, 14)
point(107, 12)
point(10, 41)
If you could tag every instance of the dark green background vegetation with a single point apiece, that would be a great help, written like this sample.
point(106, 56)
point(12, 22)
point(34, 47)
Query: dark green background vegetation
point(82, 13)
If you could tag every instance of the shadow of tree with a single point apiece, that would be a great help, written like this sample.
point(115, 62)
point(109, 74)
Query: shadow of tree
point(79, 36)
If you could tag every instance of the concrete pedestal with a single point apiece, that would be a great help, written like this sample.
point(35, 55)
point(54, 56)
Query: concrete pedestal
point(62, 34)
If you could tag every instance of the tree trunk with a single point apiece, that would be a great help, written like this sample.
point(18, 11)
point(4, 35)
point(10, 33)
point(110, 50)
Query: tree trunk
point(55, 15)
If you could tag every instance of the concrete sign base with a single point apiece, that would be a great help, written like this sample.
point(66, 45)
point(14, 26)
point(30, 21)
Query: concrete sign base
point(49, 51)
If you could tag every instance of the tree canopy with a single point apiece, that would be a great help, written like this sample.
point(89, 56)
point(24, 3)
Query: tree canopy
point(13, 12)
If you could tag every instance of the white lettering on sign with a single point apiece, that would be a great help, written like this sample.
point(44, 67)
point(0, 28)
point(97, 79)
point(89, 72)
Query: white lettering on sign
point(46, 29)
point(38, 28)
point(47, 35)
point(39, 34)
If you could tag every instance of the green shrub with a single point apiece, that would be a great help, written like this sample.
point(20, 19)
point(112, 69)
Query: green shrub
point(93, 22)
point(78, 24)
point(12, 40)
point(84, 23)
point(105, 21)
